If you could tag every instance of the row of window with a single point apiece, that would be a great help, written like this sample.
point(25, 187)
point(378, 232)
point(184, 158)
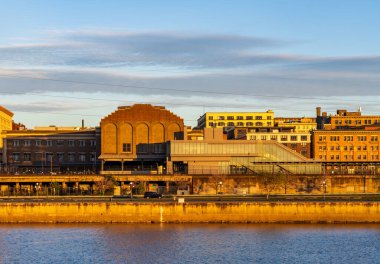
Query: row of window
point(59, 157)
point(240, 118)
point(144, 148)
point(356, 122)
point(282, 137)
point(248, 124)
point(49, 143)
point(348, 148)
point(349, 157)
point(350, 138)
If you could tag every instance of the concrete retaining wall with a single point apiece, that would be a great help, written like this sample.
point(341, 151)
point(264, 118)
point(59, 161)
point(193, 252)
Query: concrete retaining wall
point(258, 212)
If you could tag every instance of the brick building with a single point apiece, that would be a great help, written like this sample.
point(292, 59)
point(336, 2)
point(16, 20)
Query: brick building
point(133, 138)
point(70, 150)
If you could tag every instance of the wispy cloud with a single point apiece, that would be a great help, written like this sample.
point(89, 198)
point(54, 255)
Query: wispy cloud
point(146, 64)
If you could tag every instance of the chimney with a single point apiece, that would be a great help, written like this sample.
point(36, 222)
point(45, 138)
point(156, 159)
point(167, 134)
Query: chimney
point(82, 123)
point(318, 111)
point(324, 113)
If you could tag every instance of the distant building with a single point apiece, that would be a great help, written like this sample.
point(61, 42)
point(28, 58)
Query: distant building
point(134, 138)
point(6, 122)
point(346, 145)
point(51, 150)
point(214, 156)
point(344, 120)
point(297, 141)
point(237, 119)
point(299, 125)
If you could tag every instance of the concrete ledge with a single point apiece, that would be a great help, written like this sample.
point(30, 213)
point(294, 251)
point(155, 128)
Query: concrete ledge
point(233, 212)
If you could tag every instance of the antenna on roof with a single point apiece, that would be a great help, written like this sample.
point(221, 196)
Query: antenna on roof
point(360, 109)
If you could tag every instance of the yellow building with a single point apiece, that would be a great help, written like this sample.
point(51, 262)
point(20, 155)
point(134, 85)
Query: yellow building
point(236, 119)
point(5, 122)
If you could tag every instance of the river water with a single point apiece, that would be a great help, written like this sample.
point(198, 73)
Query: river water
point(189, 243)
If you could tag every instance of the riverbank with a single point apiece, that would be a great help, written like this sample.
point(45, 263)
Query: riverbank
point(210, 212)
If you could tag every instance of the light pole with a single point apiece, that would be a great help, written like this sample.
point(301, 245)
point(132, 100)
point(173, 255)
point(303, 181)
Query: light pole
point(324, 190)
point(220, 187)
point(131, 188)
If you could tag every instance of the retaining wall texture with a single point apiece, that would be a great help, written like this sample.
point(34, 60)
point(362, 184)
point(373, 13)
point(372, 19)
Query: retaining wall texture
point(254, 212)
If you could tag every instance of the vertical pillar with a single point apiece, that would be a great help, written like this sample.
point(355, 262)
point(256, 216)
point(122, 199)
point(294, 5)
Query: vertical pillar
point(17, 189)
point(122, 165)
point(64, 185)
point(167, 189)
point(102, 165)
point(147, 186)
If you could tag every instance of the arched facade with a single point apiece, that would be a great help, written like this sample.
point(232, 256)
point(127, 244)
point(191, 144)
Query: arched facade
point(137, 134)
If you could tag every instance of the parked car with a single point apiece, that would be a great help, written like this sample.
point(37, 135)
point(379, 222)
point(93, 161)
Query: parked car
point(148, 195)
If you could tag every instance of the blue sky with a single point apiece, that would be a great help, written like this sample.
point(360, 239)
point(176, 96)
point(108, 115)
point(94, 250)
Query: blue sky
point(87, 57)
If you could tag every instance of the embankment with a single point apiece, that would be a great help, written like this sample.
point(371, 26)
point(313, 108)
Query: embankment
point(229, 212)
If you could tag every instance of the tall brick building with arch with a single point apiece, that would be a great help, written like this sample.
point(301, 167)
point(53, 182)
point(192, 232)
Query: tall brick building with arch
point(133, 137)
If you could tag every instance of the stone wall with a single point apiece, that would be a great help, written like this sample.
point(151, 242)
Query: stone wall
point(164, 212)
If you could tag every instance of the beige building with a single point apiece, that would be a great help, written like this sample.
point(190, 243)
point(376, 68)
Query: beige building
point(5, 123)
point(299, 125)
point(236, 119)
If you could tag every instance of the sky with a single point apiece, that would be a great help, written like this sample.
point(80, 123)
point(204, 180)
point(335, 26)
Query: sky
point(64, 61)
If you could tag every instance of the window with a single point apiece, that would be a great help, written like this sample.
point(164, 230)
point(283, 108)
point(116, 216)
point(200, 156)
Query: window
point(16, 143)
point(82, 143)
point(16, 157)
point(230, 118)
point(211, 124)
point(220, 117)
point(269, 123)
point(337, 157)
point(332, 148)
point(263, 137)
point(221, 124)
point(284, 138)
point(293, 138)
point(273, 138)
point(337, 147)
point(249, 124)
point(259, 123)
point(49, 157)
point(49, 143)
point(37, 143)
point(61, 157)
point(345, 147)
point(92, 156)
point(240, 124)
point(127, 147)
point(60, 142)
point(92, 143)
point(230, 124)
point(27, 156)
point(293, 146)
point(210, 118)
point(71, 157)
point(259, 118)
point(269, 117)
point(303, 138)
point(249, 117)
point(82, 157)
point(26, 143)
point(71, 143)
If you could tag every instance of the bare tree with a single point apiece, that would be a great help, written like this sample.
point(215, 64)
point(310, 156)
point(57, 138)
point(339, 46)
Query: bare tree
point(271, 181)
point(106, 184)
point(217, 180)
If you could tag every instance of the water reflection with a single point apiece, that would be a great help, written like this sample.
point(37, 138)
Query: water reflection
point(185, 243)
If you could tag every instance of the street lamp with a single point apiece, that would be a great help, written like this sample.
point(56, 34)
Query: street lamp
point(220, 187)
point(324, 190)
point(131, 188)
